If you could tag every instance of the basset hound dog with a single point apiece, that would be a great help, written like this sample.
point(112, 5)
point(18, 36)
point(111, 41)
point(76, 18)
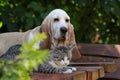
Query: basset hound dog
point(57, 27)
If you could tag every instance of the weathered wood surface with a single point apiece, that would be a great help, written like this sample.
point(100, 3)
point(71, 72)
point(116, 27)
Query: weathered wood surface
point(95, 61)
point(114, 75)
point(103, 53)
point(93, 73)
point(82, 73)
point(108, 66)
point(101, 50)
point(74, 76)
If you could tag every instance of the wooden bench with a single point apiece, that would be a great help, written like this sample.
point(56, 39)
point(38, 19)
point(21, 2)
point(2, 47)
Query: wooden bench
point(82, 73)
point(105, 53)
point(98, 61)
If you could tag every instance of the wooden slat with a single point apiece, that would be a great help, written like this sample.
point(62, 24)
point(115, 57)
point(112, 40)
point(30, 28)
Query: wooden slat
point(108, 66)
point(79, 76)
point(94, 72)
point(101, 72)
point(95, 59)
point(114, 75)
point(112, 51)
point(112, 67)
point(74, 76)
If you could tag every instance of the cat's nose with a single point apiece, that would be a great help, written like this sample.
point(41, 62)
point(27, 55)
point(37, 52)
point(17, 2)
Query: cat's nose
point(66, 63)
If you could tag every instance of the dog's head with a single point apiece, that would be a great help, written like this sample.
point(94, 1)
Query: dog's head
point(58, 23)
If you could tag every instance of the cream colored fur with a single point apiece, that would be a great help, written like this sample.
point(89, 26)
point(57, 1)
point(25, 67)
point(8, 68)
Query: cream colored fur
point(12, 38)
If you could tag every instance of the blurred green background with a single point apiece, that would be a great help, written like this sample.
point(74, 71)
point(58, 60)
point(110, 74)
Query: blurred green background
point(95, 21)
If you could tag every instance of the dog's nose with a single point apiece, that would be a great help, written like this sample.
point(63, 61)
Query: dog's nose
point(63, 29)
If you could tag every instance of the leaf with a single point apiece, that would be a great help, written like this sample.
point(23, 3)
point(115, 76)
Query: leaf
point(1, 24)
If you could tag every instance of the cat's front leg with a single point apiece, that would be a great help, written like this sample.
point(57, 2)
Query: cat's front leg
point(67, 71)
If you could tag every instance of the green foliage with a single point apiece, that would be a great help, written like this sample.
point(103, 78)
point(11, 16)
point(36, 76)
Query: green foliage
point(89, 17)
point(27, 61)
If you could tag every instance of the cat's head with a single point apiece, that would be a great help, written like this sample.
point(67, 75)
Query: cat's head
point(61, 55)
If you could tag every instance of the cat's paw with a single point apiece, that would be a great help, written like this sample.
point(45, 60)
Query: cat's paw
point(68, 71)
point(73, 68)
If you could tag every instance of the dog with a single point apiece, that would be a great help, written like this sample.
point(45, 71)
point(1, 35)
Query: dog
point(56, 26)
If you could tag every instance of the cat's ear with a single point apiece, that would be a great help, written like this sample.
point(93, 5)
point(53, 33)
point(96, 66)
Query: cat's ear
point(70, 47)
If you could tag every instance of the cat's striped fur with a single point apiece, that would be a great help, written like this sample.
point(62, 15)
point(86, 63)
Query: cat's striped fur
point(55, 64)
point(11, 53)
point(59, 61)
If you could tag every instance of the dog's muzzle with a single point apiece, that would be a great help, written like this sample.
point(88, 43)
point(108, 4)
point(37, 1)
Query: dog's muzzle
point(63, 31)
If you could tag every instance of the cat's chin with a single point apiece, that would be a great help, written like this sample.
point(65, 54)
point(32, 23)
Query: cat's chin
point(61, 66)
point(56, 65)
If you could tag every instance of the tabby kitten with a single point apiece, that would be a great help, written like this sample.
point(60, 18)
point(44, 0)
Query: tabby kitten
point(59, 60)
point(11, 53)
point(57, 63)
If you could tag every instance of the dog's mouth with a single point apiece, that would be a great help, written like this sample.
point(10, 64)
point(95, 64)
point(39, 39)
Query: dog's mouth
point(62, 38)
point(60, 41)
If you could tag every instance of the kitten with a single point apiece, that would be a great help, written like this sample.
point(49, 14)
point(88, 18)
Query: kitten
point(11, 53)
point(57, 63)
point(59, 60)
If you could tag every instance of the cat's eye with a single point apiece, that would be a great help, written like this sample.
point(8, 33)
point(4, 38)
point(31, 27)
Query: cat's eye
point(62, 58)
point(55, 59)
point(59, 59)
point(68, 58)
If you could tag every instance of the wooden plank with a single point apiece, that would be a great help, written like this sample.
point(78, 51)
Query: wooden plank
point(108, 66)
point(73, 76)
point(105, 50)
point(80, 76)
point(112, 67)
point(82, 73)
point(95, 59)
point(94, 72)
point(101, 72)
point(114, 75)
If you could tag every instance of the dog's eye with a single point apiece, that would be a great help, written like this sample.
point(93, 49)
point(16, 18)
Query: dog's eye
point(67, 20)
point(56, 19)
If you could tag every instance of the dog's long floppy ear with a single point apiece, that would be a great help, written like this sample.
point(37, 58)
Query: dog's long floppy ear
point(46, 27)
point(71, 40)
